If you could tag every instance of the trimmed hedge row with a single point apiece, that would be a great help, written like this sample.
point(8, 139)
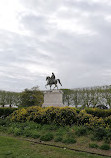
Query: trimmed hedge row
point(4, 112)
point(98, 112)
point(48, 115)
point(61, 116)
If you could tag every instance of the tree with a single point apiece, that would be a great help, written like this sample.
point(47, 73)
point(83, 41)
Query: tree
point(67, 96)
point(32, 97)
point(3, 98)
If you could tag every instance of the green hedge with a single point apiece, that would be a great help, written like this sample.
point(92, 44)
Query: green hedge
point(98, 112)
point(6, 111)
point(48, 115)
point(63, 116)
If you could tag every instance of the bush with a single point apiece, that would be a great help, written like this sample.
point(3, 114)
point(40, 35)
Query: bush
point(95, 122)
point(25, 114)
point(93, 145)
point(4, 112)
point(98, 112)
point(107, 121)
point(99, 133)
point(83, 118)
point(105, 147)
point(17, 132)
point(4, 122)
point(27, 133)
point(62, 116)
point(81, 131)
point(66, 116)
point(69, 141)
point(47, 137)
point(55, 115)
point(58, 139)
point(35, 135)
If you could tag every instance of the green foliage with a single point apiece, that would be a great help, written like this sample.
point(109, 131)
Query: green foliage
point(35, 135)
point(99, 133)
point(108, 120)
point(31, 97)
point(105, 147)
point(58, 139)
point(47, 137)
point(83, 117)
point(57, 116)
point(93, 145)
point(9, 98)
point(98, 112)
point(17, 131)
point(88, 97)
point(61, 116)
point(81, 131)
point(69, 141)
point(4, 112)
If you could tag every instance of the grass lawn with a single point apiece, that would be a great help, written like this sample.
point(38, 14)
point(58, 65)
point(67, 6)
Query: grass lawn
point(11, 147)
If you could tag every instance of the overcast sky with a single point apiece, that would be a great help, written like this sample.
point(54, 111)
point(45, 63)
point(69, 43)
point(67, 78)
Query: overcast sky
point(71, 38)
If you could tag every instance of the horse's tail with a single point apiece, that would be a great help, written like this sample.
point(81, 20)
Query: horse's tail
point(59, 81)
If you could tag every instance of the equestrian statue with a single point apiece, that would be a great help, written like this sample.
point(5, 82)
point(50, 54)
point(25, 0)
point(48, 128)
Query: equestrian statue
point(52, 81)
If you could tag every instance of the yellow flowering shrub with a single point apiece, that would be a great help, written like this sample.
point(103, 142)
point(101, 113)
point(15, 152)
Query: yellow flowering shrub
point(48, 115)
point(19, 115)
point(60, 116)
point(83, 117)
point(96, 122)
point(107, 121)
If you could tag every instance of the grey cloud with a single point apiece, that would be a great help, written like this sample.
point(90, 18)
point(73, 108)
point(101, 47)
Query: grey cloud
point(77, 59)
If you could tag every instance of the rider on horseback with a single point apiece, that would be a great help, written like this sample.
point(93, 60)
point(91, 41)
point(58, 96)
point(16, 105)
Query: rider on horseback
point(52, 77)
point(52, 80)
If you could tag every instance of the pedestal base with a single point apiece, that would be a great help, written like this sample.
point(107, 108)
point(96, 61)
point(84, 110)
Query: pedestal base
point(53, 98)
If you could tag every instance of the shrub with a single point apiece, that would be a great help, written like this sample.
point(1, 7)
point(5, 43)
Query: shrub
point(19, 115)
point(4, 112)
point(107, 121)
point(80, 131)
point(95, 122)
point(4, 122)
point(58, 139)
point(10, 130)
point(105, 147)
point(98, 112)
point(35, 134)
point(99, 133)
point(93, 145)
point(69, 141)
point(62, 116)
point(83, 117)
point(66, 116)
point(47, 137)
point(55, 115)
point(17, 131)
point(24, 114)
point(107, 137)
point(27, 133)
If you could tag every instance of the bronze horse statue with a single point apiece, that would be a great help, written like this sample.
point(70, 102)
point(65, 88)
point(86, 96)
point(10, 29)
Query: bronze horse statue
point(51, 82)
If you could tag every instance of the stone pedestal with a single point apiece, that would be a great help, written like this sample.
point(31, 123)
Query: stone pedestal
point(53, 98)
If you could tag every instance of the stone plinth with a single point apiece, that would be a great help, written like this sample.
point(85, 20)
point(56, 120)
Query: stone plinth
point(53, 98)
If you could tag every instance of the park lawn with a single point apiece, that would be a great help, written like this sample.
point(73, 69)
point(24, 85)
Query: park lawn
point(34, 132)
point(11, 147)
